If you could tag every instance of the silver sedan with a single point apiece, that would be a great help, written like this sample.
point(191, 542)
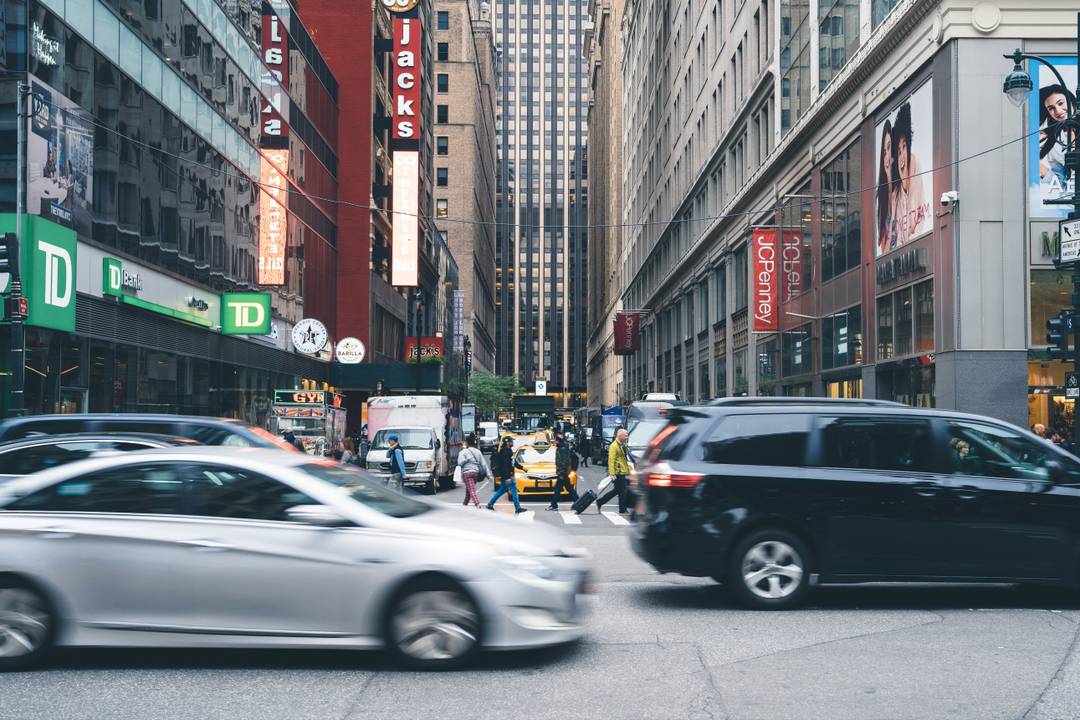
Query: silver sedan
point(220, 547)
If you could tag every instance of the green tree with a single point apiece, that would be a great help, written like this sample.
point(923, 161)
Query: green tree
point(491, 392)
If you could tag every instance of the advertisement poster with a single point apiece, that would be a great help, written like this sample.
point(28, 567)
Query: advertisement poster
point(904, 147)
point(765, 281)
point(60, 159)
point(627, 333)
point(1047, 107)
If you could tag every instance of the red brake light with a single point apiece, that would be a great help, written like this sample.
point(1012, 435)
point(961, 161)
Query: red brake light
point(663, 476)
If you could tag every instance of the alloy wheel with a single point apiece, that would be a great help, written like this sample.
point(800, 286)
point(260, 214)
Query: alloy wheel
point(25, 623)
point(772, 569)
point(435, 627)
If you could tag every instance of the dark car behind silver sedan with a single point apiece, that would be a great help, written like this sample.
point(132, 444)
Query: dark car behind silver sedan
point(41, 452)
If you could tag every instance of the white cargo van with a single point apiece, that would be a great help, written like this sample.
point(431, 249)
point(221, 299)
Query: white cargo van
point(429, 431)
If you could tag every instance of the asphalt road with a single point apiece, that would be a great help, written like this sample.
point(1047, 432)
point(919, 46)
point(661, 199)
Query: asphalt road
point(659, 647)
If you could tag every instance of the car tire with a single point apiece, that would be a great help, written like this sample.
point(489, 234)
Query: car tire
point(28, 625)
point(769, 570)
point(433, 624)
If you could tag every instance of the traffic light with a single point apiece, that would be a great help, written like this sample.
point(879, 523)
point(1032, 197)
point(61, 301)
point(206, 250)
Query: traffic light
point(9, 254)
point(1057, 335)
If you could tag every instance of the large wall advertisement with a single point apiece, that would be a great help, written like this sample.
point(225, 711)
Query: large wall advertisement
point(273, 222)
point(405, 254)
point(904, 184)
point(60, 159)
point(1047, 107)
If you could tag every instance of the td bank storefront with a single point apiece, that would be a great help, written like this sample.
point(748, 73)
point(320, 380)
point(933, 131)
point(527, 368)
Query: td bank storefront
point(105, 334)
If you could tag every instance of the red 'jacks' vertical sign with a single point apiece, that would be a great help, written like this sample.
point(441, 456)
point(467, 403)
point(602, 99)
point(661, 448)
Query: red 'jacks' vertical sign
point(406, 79)
point(766, 281)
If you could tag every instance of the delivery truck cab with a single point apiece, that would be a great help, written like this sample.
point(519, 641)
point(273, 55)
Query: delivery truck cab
point(429, 431)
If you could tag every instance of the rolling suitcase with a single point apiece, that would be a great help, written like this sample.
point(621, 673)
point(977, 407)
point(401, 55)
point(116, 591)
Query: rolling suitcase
point(582, 503)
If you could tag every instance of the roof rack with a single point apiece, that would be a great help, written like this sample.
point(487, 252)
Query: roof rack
point(744, 401)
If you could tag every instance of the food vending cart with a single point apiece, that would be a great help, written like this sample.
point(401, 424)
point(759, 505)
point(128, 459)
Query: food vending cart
point(315, 417)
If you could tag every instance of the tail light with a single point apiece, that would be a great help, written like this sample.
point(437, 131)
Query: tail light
point(663, 476)
point(655, 445)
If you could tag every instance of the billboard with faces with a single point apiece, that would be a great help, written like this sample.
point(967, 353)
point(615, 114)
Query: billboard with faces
point(903, 182)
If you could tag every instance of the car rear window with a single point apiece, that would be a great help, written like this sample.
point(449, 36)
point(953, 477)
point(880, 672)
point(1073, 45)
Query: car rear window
point(758, 439)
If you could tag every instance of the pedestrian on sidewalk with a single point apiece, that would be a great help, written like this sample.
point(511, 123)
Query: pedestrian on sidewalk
point(473, 468)
point(348, 455)
point(396, 456)
point(504, 475)
point(619, 469)
point(564, 463)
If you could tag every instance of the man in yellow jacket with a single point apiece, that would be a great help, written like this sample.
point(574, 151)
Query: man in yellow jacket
point(618, 464)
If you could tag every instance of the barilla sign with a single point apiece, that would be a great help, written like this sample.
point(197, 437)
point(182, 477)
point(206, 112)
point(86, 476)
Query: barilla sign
point(766, 280)
point(627, 333)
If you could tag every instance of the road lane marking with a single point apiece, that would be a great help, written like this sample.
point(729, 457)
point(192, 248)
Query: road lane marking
point(527, 516)
point(615, 518)
point(570, 518)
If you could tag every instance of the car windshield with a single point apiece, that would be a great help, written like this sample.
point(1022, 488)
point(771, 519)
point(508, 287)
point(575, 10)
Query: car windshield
point(359, 486)
point(642, 431)
point(407, 439)
point(530, 455)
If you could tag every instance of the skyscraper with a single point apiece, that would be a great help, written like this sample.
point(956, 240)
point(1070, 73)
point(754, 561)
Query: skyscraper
point(541, 112)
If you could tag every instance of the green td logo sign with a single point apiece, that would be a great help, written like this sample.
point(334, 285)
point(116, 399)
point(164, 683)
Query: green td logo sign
point(245, 313)
point(48, 255)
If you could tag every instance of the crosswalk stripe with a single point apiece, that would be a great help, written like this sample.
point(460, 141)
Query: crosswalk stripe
point(615, 518)
point(570, 518)
point(527, 516)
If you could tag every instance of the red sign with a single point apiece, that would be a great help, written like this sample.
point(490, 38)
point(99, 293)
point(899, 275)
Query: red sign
point(273, 224)
point(431, 350)
point(275, 52)
point(766, 281)
point(792, 263)
point(406, 79)
point(627, 333)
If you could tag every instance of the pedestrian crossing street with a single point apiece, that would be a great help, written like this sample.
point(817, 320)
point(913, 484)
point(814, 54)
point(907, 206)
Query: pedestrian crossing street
point(568, 518)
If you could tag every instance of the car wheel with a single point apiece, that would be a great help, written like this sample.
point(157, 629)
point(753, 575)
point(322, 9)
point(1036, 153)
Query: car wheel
point(770, 570)
point(433, 625)
point(27, 625)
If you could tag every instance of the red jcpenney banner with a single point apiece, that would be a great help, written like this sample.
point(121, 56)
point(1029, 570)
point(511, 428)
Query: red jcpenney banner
point(627, 333)
point(406, 79)
point(792, 264)
point(766, 283)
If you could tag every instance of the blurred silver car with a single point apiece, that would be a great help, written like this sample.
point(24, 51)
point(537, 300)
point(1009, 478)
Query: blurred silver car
point(226, 547)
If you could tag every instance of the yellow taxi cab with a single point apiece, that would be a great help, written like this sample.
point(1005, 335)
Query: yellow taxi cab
point(529, 437)
point(534, 469)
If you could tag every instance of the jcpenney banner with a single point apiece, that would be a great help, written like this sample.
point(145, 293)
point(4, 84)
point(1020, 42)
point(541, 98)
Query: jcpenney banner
point(627, 333)
point(791, 263)
point(406, 79)
point(766, 281)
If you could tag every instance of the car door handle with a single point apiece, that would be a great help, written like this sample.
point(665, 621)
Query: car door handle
point(206, 545)
point(967, 492)
point(926, 489)
point(55, 533)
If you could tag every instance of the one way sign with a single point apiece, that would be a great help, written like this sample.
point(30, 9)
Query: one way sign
point(1070, 240)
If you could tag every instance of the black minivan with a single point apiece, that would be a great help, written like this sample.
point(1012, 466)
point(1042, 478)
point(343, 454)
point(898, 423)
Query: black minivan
point(771, 497)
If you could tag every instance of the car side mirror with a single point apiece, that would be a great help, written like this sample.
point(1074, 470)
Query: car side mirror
point(438, 443)
point(318, 515)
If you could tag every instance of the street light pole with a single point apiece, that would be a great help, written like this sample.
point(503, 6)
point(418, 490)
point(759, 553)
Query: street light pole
point(1017, 87)
point(418, 296)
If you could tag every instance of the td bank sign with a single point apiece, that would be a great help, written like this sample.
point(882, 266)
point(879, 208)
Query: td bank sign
point(48, 257)
point(245, 313)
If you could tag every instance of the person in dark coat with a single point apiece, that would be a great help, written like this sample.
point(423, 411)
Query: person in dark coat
point(503, 469)
point(564, 463)
point(584, 447)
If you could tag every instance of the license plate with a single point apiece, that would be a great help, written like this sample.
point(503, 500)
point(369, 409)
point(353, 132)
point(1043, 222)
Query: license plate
point(542, 483)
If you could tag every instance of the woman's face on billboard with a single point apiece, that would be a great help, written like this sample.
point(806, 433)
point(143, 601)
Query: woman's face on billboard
point(902, 156)
point(1057, 106)
point(886, 154)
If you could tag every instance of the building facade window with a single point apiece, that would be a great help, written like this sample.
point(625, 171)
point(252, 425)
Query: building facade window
point(838, 36)
point(442, 113)
point(740, 270)
point(442, 208)
point(441, 177)
point(442, 82)
point(795, 356)
point(840, 211)
point(797, 215)
point(879, 10)
point(442, 145)
point(442, 52)
point(444, 20)
point(721, 294)
point(841, 339)
point(1051, 290)
point(794, 61)
point(906, 321)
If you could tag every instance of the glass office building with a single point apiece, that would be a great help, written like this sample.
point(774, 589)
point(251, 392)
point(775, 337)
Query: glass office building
point(541, 114)
point(150, 136)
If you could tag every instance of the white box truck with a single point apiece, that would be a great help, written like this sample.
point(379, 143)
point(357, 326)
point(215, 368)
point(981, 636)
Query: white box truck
point(429, 432)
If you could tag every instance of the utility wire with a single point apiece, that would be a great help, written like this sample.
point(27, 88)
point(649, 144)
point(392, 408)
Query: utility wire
point(88, 117)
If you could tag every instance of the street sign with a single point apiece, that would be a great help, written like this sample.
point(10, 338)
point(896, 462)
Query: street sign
point(1072, 385)
point(541, 387)
point(1070, 241)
